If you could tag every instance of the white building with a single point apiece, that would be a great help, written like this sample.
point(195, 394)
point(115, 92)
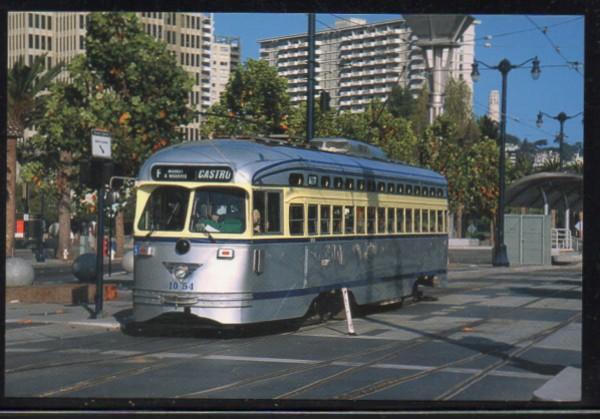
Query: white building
point(61, 36)
point(357, 62)
point(225, 58)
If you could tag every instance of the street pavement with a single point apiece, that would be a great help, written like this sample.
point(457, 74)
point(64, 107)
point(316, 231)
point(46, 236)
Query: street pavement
point(493, 334)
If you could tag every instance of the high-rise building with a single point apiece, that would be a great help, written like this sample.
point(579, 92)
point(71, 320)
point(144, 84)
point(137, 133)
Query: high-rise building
point(61, 36)
point(225, 58)
point(493, 106)
point(357, 62)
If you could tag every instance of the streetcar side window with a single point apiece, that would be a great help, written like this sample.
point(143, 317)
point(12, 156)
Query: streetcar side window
point(325, 219)
point(417, 220)
point(381, 220)
point(325, 181)
point(370, 220)
point(312, 219)
point(391, 220)
point(409, 225)
point(400, 220)
point(266, 212)
point(349, 184)
point(296, 219)
point(360, 220)
point(349, 220)
point(425, 221)
point(296, 179)
point(165, 210)
point(338, 183)
point(219, 210)
point(337, 219)
point(361, 185)
point(440, 221)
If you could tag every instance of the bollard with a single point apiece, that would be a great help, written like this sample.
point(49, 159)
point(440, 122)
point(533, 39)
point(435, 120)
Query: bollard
point(348, 312)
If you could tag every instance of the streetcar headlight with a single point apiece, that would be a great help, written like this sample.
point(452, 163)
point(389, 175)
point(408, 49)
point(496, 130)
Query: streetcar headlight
point(181, 271)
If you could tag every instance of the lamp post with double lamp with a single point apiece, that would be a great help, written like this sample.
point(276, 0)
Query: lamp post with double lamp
point(500, 256)
point(561, 117)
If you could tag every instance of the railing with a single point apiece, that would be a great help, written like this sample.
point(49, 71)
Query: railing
point(561, 239)
point(577, 244)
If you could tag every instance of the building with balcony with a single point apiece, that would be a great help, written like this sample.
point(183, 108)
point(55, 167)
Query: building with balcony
point(358, 62)
point(225, 59)
point(188, 36)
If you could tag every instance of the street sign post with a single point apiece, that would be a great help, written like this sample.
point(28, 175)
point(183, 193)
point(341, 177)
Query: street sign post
point(101, 151)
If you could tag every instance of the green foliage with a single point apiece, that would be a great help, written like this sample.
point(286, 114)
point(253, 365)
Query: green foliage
point(255, 102)
point(127, 83)
point(401, 102)
point(471, 169)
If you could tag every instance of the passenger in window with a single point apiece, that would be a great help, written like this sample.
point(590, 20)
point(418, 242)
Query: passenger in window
point(256, 220)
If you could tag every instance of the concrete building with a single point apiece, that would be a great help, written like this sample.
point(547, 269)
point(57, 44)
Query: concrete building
point(61, 36)
point(493, 106)
point(225, 58)
point(358, 62)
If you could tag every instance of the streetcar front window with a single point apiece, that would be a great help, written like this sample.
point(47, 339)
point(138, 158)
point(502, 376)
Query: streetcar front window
point(219, 210)
point(165, 209)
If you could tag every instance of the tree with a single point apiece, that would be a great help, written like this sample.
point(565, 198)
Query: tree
point(420, 121)
point(127, 83)
point(255, 102)
point(25, 105)
point(401, 102)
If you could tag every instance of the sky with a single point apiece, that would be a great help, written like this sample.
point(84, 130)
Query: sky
point(555, 40)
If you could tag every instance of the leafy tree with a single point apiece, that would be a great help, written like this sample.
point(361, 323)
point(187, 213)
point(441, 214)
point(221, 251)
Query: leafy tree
point(26, 101)
point(255, 101)
point(127, 83)
point(401, 102)
point(420, 122)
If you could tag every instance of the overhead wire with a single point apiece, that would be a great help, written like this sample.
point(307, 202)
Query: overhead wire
point(556, 48)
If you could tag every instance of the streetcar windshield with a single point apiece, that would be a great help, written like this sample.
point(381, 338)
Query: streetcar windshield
point(219, 210)
point(165, 210)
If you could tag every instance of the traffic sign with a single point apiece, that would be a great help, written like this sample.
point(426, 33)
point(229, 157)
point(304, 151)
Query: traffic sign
point(101, 144)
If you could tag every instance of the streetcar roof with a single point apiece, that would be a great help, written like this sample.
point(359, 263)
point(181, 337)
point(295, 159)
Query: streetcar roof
point(251, 161)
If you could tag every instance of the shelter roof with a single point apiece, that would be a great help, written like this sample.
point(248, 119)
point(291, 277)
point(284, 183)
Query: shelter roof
point(529, 191)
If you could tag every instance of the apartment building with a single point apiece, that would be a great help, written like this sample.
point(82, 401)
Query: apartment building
point(357, 62)
point(61, 36)
point(225, 59)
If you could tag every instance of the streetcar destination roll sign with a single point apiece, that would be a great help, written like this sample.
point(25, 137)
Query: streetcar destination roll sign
point(192, 173)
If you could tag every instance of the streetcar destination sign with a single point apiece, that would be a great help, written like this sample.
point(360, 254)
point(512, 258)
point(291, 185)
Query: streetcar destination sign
point(192, 173)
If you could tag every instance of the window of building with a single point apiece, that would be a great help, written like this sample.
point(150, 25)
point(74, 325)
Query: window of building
point(37, 21)
point(325, 219)
point(349, 220)
point(37, 42)
point(381, 220)
point(49, 61)
point(49, 44)
point(81, 42)
point(81, 22)
point(337, 219)
point(30, 41)
point(30, 16)
point(43, 21)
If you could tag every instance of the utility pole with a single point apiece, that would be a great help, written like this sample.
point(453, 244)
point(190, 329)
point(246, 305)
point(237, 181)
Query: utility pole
point(310, 91)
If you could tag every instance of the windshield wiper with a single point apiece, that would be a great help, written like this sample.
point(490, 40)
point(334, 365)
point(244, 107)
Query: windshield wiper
point(210, 237)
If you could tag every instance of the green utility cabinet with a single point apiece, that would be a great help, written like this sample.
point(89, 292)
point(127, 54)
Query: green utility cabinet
point(528, 239)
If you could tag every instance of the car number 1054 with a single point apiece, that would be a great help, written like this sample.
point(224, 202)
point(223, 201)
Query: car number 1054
point(179, 286)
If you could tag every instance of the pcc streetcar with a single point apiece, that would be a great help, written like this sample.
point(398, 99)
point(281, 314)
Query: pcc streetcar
point(247, 231)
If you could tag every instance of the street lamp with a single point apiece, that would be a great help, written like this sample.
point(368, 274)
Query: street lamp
point(561, 117)
point(500, 257)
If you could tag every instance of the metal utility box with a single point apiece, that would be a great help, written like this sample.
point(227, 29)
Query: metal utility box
point(528, 239)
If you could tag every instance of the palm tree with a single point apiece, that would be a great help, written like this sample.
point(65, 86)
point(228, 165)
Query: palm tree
point(25, 106)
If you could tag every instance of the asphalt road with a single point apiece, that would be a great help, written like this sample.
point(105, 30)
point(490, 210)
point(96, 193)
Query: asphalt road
point(491, 335)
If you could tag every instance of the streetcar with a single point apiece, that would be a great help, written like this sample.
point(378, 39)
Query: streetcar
point(248, 231)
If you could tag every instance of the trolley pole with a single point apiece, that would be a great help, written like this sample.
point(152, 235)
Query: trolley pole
point(310, 93)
